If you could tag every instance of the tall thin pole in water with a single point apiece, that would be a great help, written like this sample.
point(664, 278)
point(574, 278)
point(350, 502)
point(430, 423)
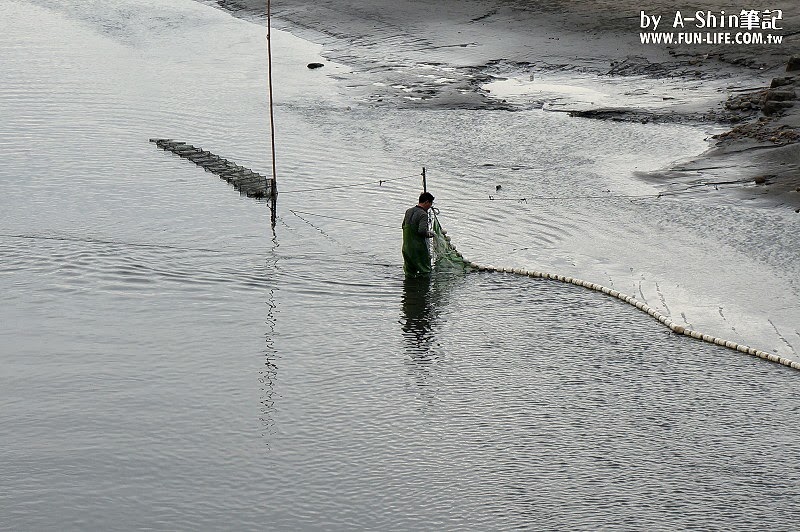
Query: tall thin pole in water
point(273, 184)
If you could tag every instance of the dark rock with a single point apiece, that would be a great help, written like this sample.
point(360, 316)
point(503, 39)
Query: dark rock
point(780, 82)
point(793, 64)
point(772, 107)
point(760, 180)
point(779, 95)
point(312, 66)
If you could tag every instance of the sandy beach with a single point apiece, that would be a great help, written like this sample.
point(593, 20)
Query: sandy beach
point(744, 90)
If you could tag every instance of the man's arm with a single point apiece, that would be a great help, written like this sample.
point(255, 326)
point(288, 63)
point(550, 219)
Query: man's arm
point(423, 226)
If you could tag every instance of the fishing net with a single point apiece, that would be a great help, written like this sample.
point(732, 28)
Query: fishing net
point(445, 256)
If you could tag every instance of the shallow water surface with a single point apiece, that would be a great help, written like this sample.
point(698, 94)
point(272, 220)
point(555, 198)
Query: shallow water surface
point(169, 361)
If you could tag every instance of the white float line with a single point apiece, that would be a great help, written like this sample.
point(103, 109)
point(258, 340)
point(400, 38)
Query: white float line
point(674, 327)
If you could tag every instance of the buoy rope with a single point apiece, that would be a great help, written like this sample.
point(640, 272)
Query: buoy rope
point(664, 320)
point(380, 182)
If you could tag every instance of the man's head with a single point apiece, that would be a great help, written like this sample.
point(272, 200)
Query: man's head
point(426, 200)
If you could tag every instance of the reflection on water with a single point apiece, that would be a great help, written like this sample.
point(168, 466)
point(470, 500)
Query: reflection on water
point(424, 302)
point(424, 299)
point(418, 322)
point(418, 316)
point(269, 372)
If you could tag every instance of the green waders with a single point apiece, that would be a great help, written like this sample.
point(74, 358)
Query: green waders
point(416, 256)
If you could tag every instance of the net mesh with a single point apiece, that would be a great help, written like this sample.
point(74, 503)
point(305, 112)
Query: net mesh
point(445, 256)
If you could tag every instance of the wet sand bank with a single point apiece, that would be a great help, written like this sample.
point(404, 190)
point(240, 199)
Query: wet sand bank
point(444, 54)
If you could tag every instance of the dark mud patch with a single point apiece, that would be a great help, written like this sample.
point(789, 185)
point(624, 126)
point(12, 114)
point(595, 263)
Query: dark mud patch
point(642, 117)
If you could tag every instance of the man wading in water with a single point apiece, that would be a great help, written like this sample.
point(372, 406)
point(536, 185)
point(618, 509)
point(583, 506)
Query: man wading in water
point(416, 256)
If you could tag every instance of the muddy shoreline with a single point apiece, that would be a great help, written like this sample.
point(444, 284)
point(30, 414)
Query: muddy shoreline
point(443, 54)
